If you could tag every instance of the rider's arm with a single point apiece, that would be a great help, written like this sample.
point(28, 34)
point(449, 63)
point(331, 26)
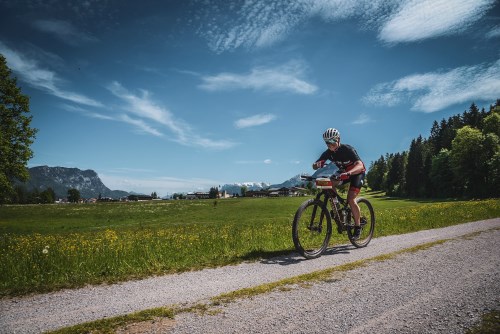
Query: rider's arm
point(357, 168)
point(324, 156)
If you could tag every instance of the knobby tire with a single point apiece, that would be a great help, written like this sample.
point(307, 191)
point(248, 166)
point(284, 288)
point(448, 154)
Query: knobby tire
point(311, 239)
point(367, 223)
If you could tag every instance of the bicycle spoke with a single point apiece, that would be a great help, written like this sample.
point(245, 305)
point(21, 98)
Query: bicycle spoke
point(311, 229)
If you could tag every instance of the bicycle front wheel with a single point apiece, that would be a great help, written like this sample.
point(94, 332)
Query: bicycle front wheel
point(367, 219)
point(311, 229)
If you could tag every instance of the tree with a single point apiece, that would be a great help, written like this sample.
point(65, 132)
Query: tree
point(213, 193)
point(435, 138)
point(414, 169)
point(21, 195)
point(440, 174)
point(16, 135)
point(428, 187)
point(473, 117)
point(492, 124)
point(494, 175)
point(47, 196)
point(470, 161)
point(491, 154)
point(396, 174)
point(243, 190)
point(73, 195)
point(376, 173)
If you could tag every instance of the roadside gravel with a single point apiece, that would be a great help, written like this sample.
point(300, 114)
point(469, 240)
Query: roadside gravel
point(453, 283)
point(444, 289)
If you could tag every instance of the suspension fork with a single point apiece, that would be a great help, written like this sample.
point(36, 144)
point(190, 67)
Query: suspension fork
point(325, 202)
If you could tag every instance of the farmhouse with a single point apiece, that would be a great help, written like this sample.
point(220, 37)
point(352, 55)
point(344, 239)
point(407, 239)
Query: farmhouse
point(140, 198)
point(198, 195)
point(277, 192)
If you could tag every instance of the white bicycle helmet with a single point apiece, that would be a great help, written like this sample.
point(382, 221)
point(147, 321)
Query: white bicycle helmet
point(331, 135)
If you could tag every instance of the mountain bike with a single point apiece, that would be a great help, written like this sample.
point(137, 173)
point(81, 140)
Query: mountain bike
point(312, 224)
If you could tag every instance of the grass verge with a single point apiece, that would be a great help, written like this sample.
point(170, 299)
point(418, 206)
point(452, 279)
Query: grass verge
point(490, 324)
point(46, 248)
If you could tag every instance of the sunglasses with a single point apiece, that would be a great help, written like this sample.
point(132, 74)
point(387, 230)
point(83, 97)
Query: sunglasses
point(330, 142)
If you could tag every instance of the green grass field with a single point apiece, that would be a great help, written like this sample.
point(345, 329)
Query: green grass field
point(48, 247)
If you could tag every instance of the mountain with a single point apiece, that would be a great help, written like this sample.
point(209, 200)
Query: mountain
point(61, 179)
point(88, 183)
point(235, 188)
point(293, 182)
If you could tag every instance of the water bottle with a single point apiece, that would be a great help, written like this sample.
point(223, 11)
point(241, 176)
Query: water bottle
point(335, 201)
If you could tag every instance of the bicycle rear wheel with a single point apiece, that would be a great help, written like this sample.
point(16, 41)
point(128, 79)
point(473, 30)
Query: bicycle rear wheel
point(311, 229)
point(367, 218)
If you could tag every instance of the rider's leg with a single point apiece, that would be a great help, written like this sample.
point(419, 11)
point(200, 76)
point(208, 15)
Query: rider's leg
point(354, 189)
point(351, 199)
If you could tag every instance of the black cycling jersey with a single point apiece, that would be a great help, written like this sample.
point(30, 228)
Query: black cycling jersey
point(344, 157)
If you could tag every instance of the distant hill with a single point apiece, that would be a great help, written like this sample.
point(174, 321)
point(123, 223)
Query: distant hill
point(61, 179)
point(88, 183)
point(293, 182)
point(235, 188)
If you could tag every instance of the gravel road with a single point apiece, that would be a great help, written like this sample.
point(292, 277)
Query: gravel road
point(442, 289)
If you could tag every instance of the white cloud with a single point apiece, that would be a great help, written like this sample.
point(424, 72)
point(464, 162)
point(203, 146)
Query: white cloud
point(254, 120)
point(421, 19)
point(254, 24)
point(430, 92)
point(161, 185)
point(362, 119)
point(33, 74)
point(249, 162)
point(286, 78)
point(147, 110)
point(144, 107)
point(64, 31)
point(493, 33)
point(257, 24)
point(86, 112)
point(141, 125)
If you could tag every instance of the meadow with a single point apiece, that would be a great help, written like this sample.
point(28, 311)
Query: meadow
point(49, 247)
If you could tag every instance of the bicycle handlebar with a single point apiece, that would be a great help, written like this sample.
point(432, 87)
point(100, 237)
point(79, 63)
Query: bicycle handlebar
point(312, 178)
point(326, 170)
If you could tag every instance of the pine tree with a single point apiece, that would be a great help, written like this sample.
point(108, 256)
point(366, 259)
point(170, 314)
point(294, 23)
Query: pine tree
point(473, 117)
point(376, 173)
point(414, 169)
point(396, 174)
point(434, 139)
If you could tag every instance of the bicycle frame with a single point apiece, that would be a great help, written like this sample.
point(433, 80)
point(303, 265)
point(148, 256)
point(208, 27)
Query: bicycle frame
point(329, 195)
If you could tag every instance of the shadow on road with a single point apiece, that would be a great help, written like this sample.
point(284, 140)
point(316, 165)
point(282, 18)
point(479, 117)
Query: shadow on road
point(343, 249)
point(284, 260)
point(294, 257)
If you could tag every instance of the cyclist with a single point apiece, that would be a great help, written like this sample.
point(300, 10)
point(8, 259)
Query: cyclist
point(351, 169)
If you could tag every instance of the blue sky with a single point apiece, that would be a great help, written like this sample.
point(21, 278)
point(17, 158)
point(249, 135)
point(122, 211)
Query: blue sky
point(172, 96)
